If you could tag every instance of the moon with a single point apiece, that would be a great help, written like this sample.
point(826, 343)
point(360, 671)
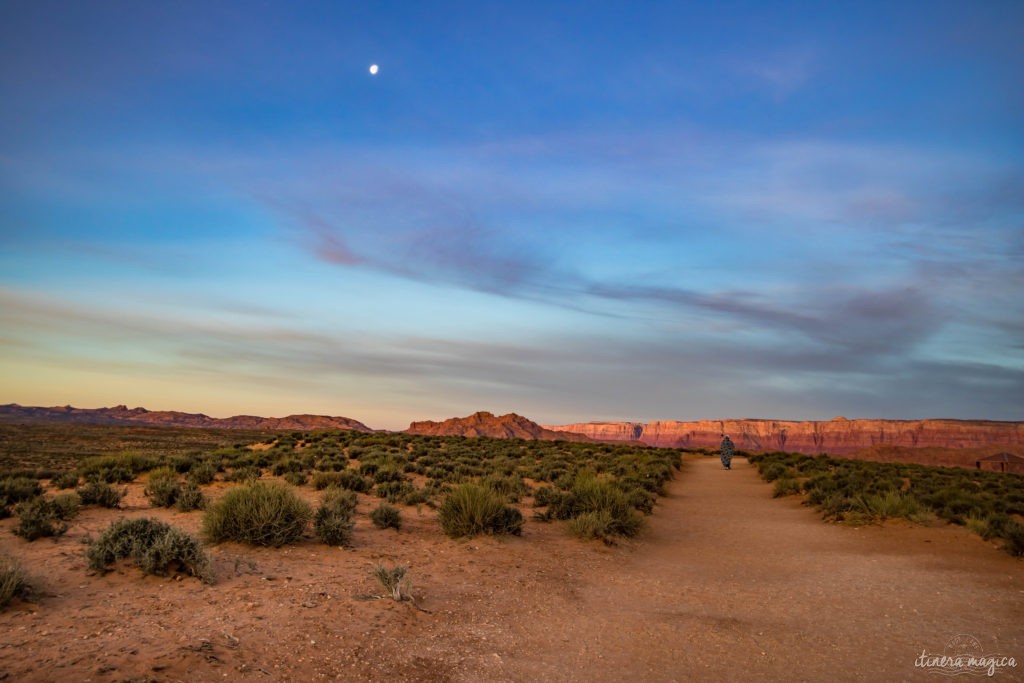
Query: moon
point(374, 69)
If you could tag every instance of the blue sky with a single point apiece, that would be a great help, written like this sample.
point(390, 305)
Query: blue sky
point(573, 211)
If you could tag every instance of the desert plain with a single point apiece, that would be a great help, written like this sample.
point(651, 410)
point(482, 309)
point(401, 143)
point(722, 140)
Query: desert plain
point(724, 582)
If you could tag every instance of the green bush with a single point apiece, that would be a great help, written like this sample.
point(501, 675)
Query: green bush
point(202, 473)
point(353, 481)
point(333, 519)
point(163, 487)
point(44, 516)
point(66, 480)
point(388, 474)
point(13, 580)
point(786, 486)
point(115, 469)
point(394, 491)
point(1013, 535)
point(416, 496)
point(890, 504)
point(99, 493)
point(66, 505)
point(592, 525)
point(386, 516)
point(190, 497)
point(244, 474)
point(596, 495)
point(154, 546)
point(471, 509)
point(16, 489)
point(323, 480)
point(295, 478)
point(511, 487)
point(260, 513)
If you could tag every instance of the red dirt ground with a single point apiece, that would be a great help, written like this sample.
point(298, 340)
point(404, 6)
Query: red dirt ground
point(724, 583)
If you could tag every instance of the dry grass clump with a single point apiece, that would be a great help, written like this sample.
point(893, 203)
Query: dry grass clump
point(471, 509)
point(394, 580)
point(13, 580)
point(260, 513)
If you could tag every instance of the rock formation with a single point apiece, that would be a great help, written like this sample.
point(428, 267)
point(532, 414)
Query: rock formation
point(837, 436)
point(509, 426)
point(122, 415)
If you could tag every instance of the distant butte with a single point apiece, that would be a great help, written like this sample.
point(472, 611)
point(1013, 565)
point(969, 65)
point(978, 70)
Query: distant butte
point(510, 426)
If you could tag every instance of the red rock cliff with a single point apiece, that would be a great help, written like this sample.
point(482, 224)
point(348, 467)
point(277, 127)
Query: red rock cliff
point(509, 426)
point(836, 437)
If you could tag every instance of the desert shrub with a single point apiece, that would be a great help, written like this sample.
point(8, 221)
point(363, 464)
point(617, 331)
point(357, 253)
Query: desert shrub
point(471, 509)
point(152, 545)
point(835, 506)
point(416, 496)
point(386, 516)
point(115, 469)
point(786, 486)
point(592, 525)
point(295, 478)
point(888, 505)
point(202, 473)
point(43, 516)
point(353, 481)
point(100, 493)
point(595, 495)
point(394, 491)
point(244, 474)
point(770, 471)
point(13, 580)
point(163, 487)
point(333, 519)
point(323, 480)
point(65, 480)
point(1013, 535)
point(260, 513)
point(16, 489)
point(281, 467)
point(388, 474)
point(640, 499)
point(190, 497)
point(544, 496)
point(66, 505)
point(511, 487)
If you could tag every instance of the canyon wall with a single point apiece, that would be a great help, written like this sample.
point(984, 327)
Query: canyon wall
point(838, 436)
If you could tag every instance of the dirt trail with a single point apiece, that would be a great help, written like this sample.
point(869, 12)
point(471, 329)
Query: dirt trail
point(730, 584)
point(724, 583)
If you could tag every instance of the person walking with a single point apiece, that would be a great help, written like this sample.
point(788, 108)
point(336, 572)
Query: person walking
point(727, 452)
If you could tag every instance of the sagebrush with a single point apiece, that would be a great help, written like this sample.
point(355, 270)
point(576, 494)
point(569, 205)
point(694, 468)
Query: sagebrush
point(260, 513)
point(154, 546)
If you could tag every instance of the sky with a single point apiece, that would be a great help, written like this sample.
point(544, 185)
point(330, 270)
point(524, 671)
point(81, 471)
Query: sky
point(575, 211)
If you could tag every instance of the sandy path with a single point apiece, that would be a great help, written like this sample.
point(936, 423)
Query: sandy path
point(730, 584)
point(724, 583)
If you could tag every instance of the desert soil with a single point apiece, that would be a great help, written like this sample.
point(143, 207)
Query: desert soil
point(724, 583)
